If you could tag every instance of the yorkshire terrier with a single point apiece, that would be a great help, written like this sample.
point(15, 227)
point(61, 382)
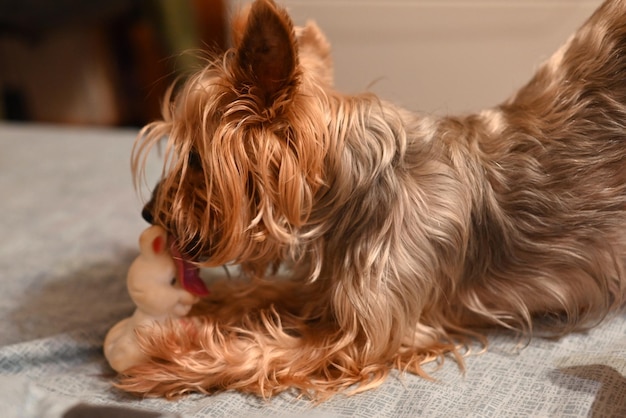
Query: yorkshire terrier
point(405, 235)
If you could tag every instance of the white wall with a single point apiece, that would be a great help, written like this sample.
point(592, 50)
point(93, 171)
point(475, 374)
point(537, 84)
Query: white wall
point(444, 56)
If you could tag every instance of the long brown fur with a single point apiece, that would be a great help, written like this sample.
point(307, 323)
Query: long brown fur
point(405, 234)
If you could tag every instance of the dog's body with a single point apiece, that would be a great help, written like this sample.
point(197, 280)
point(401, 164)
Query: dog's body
point(405, 233)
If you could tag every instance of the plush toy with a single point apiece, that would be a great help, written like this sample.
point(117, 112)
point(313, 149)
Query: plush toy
point(162, 286)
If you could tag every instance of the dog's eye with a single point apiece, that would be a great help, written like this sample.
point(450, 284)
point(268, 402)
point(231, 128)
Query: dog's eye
point(173, 281)
point(194, 160)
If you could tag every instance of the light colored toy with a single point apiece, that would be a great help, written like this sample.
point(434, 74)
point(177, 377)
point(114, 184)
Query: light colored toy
point(154, 283)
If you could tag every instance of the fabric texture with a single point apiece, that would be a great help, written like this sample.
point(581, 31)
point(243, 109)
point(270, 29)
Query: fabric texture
point(70, 224)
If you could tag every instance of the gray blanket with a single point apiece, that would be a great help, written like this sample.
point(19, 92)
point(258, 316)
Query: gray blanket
point(69, 226)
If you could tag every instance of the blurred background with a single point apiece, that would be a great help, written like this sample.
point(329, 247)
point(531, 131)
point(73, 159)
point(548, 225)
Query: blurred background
point(108, 63)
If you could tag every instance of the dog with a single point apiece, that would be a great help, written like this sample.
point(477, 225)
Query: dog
point(405, 235)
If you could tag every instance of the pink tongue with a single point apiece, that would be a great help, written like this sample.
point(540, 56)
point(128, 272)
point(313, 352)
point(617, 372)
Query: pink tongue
point(190, 279)
point(189, 275)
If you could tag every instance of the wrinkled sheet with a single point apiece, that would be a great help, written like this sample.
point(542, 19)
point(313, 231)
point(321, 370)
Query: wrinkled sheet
point(70, 220)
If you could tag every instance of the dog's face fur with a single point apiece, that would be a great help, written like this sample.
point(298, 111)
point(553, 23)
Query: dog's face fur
point(248, 145)
point(405, 232)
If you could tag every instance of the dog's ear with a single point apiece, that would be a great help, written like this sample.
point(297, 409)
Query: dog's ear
point(266, 52)
point(238, 25)
point(314, 52)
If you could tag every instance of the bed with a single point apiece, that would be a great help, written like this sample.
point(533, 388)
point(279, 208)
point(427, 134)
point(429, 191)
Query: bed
point(69, 227)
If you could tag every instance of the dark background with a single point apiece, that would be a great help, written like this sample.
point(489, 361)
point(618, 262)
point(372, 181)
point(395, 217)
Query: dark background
point(95, 62)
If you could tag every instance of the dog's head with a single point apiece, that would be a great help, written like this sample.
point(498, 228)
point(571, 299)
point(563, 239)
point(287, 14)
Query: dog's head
point(246, 140)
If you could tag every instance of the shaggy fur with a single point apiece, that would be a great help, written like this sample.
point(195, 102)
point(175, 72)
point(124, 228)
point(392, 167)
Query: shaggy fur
point(405, 234)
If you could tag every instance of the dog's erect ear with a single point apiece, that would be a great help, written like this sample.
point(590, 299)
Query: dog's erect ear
point(266, 52)
point(314, 52)
point(238, 25)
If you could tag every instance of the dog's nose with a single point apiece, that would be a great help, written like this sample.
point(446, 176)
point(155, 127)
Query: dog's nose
point(146, 214)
